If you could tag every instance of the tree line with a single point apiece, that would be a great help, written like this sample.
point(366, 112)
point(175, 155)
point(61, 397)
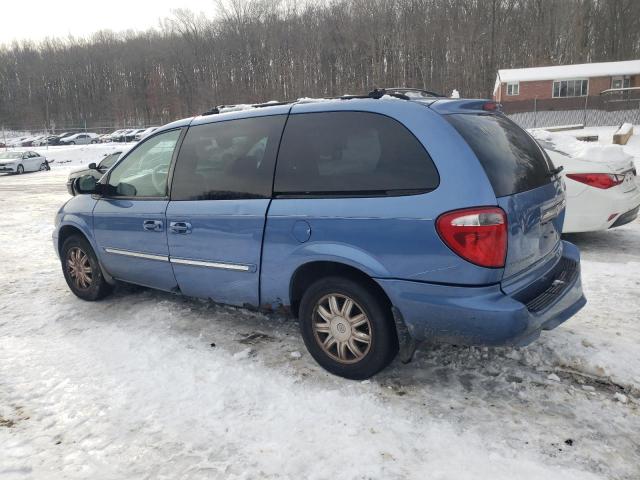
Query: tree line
point(260, 50)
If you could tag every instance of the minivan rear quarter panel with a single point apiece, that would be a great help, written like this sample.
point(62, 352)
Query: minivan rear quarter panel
point(385, 237)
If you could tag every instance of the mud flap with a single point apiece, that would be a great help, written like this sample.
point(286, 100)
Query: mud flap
point(407, 342)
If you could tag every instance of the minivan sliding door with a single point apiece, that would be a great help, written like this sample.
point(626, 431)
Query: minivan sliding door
point(220, 195)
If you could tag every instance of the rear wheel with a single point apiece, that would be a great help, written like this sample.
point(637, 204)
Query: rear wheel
point(72, 143)
point(347, 329)
point(20, 170)
point(82, 270)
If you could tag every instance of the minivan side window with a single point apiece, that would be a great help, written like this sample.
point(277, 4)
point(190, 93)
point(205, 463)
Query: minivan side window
point(231, 159)
point(351, 153)
point(143, 173)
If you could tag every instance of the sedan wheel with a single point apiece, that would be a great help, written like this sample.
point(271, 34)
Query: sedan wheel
point(43, 167)
point(20, 170)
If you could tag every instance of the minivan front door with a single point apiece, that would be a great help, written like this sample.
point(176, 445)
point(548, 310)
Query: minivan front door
point(220, 195)
point(130, 223)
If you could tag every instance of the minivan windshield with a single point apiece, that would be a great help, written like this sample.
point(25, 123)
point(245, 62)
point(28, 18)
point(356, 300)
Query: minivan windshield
point(512, 160)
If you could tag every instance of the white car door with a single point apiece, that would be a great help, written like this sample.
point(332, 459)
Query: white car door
point(27, 162)
point(38, 160)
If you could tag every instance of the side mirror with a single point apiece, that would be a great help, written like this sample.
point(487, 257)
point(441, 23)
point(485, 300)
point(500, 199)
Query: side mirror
point(86, 185)
point(93, 166)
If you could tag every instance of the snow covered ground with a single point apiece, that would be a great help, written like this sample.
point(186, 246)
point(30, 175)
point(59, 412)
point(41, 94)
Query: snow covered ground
point(150, 385)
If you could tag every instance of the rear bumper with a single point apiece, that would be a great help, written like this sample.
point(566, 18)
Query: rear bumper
point(486, 315)
point(597, 210)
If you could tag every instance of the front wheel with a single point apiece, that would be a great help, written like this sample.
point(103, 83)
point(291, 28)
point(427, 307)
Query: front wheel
point(347, 328)
point(82, 270)
point(20, 170)
point(72, 143)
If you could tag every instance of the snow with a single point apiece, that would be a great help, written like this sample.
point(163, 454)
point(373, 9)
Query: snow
point(603, 153)
point(559, 72)
point(455, 94)
point(601, 150)
point(625, 129)
point(147, 384)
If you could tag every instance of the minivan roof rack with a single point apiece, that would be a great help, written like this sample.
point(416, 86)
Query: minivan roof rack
point(406, 90)
point(404, 93)
point(219, 108)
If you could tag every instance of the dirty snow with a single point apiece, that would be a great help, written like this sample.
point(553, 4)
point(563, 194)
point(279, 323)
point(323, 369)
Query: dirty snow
point(150, 385)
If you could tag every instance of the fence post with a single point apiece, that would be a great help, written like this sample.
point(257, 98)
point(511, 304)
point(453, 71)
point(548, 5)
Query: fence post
point(584, 116)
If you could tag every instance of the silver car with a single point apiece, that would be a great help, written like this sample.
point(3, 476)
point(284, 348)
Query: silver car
point(80, 139)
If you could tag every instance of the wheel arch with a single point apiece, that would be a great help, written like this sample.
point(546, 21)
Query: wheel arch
point(69, 229)
point(308, 273)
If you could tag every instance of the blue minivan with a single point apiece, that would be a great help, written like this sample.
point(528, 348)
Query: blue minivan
point(379, 222)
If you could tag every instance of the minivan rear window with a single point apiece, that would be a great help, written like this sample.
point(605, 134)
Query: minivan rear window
point(512, 160)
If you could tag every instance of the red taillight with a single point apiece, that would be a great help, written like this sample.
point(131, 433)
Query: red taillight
point(598, 180)
point(491, 106)
point(479, 235)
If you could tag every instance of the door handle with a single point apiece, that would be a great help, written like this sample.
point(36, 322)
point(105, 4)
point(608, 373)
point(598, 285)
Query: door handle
point(180, 227)
point(152, 225)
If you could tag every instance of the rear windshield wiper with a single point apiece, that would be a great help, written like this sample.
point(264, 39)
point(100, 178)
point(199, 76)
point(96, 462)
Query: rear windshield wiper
point(555, 171)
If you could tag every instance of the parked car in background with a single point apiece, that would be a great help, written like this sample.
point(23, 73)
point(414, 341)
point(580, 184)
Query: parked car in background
point(602, 193)
point(93, 170)
point(40, 141)
point(140, 135)
point(21, 162)
point(28, 141)
point(365, 228)
point(130, 136)
point(55, 139)
point(79, 139)
point(120, 135)
point(104, 138)
point(114, 136)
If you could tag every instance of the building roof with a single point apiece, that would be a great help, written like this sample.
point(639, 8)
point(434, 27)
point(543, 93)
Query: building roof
point(558, 72)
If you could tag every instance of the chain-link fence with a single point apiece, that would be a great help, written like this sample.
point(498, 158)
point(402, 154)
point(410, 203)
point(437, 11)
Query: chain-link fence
point(611, 107)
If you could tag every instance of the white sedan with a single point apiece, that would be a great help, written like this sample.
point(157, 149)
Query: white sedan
point(602, 191)
point(20, 162)
point(80, 139)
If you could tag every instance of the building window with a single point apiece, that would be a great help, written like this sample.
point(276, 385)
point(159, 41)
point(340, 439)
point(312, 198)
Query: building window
point(570, 88)
point(620, 82)
point(513, 88)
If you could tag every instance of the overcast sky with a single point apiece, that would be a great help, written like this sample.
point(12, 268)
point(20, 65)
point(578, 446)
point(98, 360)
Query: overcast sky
point(37, 19)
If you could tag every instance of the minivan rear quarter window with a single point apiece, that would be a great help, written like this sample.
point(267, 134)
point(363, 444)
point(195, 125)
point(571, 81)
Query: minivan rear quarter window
point(511, 159)
point(351, 153)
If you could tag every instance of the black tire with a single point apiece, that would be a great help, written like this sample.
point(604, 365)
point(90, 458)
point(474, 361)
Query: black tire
point(20, 170)
point(98, 287)
point(72, 143)
point(94, 141)
point(383, 339)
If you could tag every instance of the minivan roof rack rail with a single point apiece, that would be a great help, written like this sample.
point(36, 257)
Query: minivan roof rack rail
point(219, 108)
point(405, 90)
